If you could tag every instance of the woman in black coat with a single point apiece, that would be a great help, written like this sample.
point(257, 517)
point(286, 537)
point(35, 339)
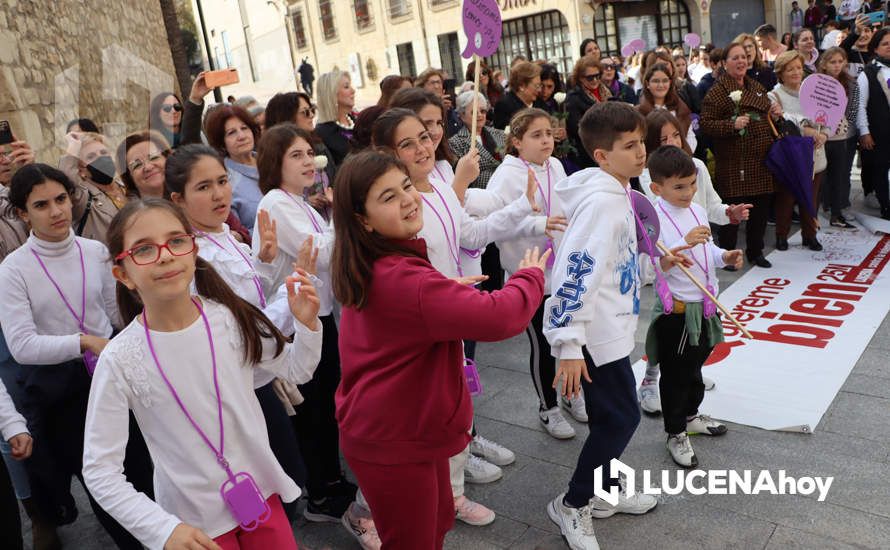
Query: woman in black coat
point(525, 81)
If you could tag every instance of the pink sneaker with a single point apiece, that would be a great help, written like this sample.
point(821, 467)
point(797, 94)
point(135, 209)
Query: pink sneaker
point(471, 512)
point(362, 528)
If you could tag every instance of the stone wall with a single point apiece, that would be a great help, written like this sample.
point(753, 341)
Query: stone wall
point(63, 59)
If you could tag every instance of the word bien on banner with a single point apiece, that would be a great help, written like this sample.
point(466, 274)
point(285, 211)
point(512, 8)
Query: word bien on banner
point(811, 316)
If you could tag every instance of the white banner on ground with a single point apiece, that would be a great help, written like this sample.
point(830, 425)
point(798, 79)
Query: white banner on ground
point(811, 315)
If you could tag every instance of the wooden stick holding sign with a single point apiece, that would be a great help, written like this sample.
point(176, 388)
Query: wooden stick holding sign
point(482, 26)
point(706, 292)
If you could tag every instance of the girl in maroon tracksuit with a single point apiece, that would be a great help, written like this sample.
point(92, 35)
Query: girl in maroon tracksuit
point(403, 406)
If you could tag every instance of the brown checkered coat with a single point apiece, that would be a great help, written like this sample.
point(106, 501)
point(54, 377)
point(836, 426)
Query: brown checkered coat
point(732, 152)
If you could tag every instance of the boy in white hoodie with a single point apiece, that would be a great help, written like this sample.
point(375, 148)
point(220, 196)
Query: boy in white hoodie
point(591, 317)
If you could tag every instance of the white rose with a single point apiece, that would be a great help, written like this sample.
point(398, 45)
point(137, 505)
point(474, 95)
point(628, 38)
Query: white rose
point(559, 97)
point(507, 129)
point(321, 162)
point(735, 96)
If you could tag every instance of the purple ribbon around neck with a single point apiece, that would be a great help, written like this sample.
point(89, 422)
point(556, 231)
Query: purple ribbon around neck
point(453, 243)
point(89, 358)
point(661, 285)
point(710, 308)
point(307, 210)
point(547, 202)
point(256, 278)
point(239, 492)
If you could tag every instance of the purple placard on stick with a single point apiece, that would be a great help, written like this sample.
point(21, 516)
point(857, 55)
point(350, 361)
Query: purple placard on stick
point(482, 25)
point(823, 100)
point(692, 40)
point(632, 47)
point(649, 218)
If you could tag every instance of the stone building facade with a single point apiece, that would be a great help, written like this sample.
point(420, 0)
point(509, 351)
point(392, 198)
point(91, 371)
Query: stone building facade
point(63, 59)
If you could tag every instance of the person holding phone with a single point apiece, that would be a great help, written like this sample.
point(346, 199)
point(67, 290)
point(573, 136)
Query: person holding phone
point(437, 81)
point(13, 231)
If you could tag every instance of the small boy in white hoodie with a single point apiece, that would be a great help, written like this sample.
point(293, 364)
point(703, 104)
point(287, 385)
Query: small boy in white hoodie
point(15, 431)
point(693, 320)
point(591, 318)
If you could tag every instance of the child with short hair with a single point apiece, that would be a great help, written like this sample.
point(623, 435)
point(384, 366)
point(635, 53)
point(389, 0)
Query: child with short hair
point(591, 317)
point(693, 320)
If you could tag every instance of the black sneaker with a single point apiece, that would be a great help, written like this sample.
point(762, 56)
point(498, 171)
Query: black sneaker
point(813, 244)
point(841, 222)
point(761, 261)
point(329, 509)
point(781, 243)
point(342, 488)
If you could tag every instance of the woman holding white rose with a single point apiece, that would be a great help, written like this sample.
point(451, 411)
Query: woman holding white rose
point(490, 142)
point(734, 115)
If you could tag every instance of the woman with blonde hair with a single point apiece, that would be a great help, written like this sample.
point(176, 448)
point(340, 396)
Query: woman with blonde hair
point(336, 120)
point(758, 69)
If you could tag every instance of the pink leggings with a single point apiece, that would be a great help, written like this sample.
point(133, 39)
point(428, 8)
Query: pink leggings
point(276, 533)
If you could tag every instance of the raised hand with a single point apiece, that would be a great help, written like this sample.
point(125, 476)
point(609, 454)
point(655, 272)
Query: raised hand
point(531, 189)
point(307, 257)
point(465, 173)
point(268, 237)
point(568, 377)
point(73, 144)
point(738, 212)
point(533, 258)
point(303, 299)
point(20, 153)
point(186, 537)
point(200, 89)
point(556, 223)
point(734, 258)
point(698, 235)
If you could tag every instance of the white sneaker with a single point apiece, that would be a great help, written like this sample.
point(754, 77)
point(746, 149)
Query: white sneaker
point(650, 399)
point(575, 406)
point(576, 524)
point(556, 424)
point(681, 450)
point(471, 512)
point(362, 528)
point(709, 383)
point(479, 471)
point(639, 503)
point(705, 425)
point(491, 451)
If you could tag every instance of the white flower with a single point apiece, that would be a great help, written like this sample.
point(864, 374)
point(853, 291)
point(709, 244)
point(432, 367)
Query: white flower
point(507, 130)
point(321, 162)
point(559, 97)
point(735, 96)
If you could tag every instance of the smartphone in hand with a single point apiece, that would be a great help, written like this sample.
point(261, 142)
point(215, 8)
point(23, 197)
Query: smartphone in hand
point(5, 133)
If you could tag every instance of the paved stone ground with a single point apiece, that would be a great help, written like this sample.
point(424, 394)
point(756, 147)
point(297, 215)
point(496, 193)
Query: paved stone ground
point(852, 443)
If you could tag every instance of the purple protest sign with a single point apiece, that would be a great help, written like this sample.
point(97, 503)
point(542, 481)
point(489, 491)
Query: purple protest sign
point(482, 25)
point(823, 100)
point(647, 219)
point(632, 47)
point(692, 40)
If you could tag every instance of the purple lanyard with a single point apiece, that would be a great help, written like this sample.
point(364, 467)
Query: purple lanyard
point(81, 319)
point(441, 176)
point(453, 244)
point(307, 210)
point(706, 267)
point(218, 452)
point(538, 182)
point(256, 278)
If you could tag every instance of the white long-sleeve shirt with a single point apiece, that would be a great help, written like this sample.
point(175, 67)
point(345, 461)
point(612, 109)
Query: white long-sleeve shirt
point(294, 224)
point(12, 423)
point(705, 196)
point(507, 184)
point(187, 477)
point(447, 226)
point(39, 329)
point(862, 82)
point(681, 287)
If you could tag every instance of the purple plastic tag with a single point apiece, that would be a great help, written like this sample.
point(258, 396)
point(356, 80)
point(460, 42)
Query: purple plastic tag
point(647, 218)
point(90, 360)
point(474, 383)
point(710, 308)
point(664, 293)
point(552, 259)
point(245, 502)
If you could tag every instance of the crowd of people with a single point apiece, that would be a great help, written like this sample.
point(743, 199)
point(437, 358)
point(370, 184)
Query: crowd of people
point(200, 320)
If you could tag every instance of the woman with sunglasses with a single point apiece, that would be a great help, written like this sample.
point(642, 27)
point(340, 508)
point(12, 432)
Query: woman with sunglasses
point(588, 91)
point(165, 116)
point(611, 79)
point(296, 107)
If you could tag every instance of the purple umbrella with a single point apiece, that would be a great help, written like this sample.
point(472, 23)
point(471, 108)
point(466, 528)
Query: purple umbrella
point(790, 159)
